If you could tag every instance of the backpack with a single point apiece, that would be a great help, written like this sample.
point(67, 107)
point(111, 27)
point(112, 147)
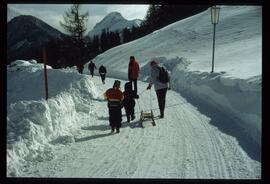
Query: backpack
point(163, 76)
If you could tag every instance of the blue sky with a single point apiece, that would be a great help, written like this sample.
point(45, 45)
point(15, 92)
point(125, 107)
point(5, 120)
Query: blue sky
point(53, 13)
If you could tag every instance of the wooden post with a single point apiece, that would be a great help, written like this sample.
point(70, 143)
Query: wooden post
point(45, 73)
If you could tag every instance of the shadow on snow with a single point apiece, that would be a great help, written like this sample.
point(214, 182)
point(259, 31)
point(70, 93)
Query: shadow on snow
point(228, 126)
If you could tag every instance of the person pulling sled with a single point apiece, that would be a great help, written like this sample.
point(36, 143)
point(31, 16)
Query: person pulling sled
point(161, 80)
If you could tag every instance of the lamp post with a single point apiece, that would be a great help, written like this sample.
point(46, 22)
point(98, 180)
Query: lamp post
point(214, 20)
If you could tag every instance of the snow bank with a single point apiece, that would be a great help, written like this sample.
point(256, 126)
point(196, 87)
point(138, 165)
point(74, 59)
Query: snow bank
point(239, 99)
point(34, 124)
point(235, 88)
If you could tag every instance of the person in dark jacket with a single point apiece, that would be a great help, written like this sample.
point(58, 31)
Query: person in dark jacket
point(129, 102)
point(80, 67)
point(114, 96)
point(91, 68)
point(102, 72)
point(133, 72)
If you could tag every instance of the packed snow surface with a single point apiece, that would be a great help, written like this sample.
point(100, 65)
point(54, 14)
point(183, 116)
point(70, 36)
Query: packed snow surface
point(212, 124)
point(69, 135)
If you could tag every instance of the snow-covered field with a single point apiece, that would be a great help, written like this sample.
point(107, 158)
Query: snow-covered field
point(212, 124)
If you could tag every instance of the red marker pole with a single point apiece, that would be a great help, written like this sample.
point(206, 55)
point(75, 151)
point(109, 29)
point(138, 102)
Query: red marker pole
point(45, 73)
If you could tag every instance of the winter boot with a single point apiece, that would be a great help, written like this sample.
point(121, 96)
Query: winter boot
point(112, 130)
point(132, 117)
point(117, 130)
point(128, 119)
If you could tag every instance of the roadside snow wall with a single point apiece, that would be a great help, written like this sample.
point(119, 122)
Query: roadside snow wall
point(239, 99)
point(34, 123)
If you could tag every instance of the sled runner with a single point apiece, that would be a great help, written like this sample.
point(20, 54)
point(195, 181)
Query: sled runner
point(147, 115)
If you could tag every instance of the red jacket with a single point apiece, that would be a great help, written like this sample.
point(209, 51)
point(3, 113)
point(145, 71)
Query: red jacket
point(133, 70)
point(114, 94)
point(80, 66)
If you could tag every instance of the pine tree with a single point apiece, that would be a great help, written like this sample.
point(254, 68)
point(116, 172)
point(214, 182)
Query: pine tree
point(75, 24)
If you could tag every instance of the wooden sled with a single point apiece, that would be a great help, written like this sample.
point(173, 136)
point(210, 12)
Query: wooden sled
point(147, 115)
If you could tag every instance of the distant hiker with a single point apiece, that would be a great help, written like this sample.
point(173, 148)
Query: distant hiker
point(102, 72)
point(129, 102)
point(114, 96)
point(92, 67)
point(80, 67)
point(133, 72)
point(161, 79)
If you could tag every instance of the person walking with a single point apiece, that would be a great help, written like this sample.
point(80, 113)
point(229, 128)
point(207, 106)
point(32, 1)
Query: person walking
point(133, 72)
point(92, 67)
point(129, 102)
point(161, 80)
point(102, 72)
point(80, 68)
point(115, 96)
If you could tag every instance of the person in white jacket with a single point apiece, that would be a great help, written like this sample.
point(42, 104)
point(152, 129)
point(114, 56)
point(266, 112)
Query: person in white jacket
point(160, 87)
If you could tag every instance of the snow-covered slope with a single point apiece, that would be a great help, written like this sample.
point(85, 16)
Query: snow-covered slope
point(238, 43)
point(185, 47)
point(113, 22)
point(211, 129)
point(69, 135)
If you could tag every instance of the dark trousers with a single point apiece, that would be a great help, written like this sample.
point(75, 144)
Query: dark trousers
point(134, 85)
point(102, 78)
point(92, 72)
point(129, 105)
point(115, 117)
point(161, 96)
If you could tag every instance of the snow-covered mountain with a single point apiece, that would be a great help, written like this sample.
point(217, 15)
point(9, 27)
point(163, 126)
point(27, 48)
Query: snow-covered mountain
point(26, 33)
point(11, 13)
point(212, 124)
point(114, 21)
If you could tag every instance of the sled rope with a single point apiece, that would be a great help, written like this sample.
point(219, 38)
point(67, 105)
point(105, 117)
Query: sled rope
point(173, 105)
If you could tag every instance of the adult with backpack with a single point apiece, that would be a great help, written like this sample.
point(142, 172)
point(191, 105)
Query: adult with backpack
point(92, 67)
point(115, 96)
point(161, 79)
point(133, 72)
point(102, 72)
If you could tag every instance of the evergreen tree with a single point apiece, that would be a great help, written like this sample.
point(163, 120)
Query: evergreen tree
point(75, 24)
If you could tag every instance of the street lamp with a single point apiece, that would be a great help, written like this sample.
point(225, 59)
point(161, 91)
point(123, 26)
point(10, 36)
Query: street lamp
point(214, 20)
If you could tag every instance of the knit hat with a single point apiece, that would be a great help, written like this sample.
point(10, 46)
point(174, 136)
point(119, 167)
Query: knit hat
point(117, 83)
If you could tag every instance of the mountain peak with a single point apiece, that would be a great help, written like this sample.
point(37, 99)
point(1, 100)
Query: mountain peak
point(115, 15)
point(114, 21)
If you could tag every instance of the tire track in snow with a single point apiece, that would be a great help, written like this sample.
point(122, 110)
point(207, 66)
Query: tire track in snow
point(195, 132)
point(214, 140)
point(182, 145)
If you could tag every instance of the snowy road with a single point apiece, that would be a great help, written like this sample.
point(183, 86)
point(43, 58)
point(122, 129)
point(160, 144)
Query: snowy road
point(185, 144)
